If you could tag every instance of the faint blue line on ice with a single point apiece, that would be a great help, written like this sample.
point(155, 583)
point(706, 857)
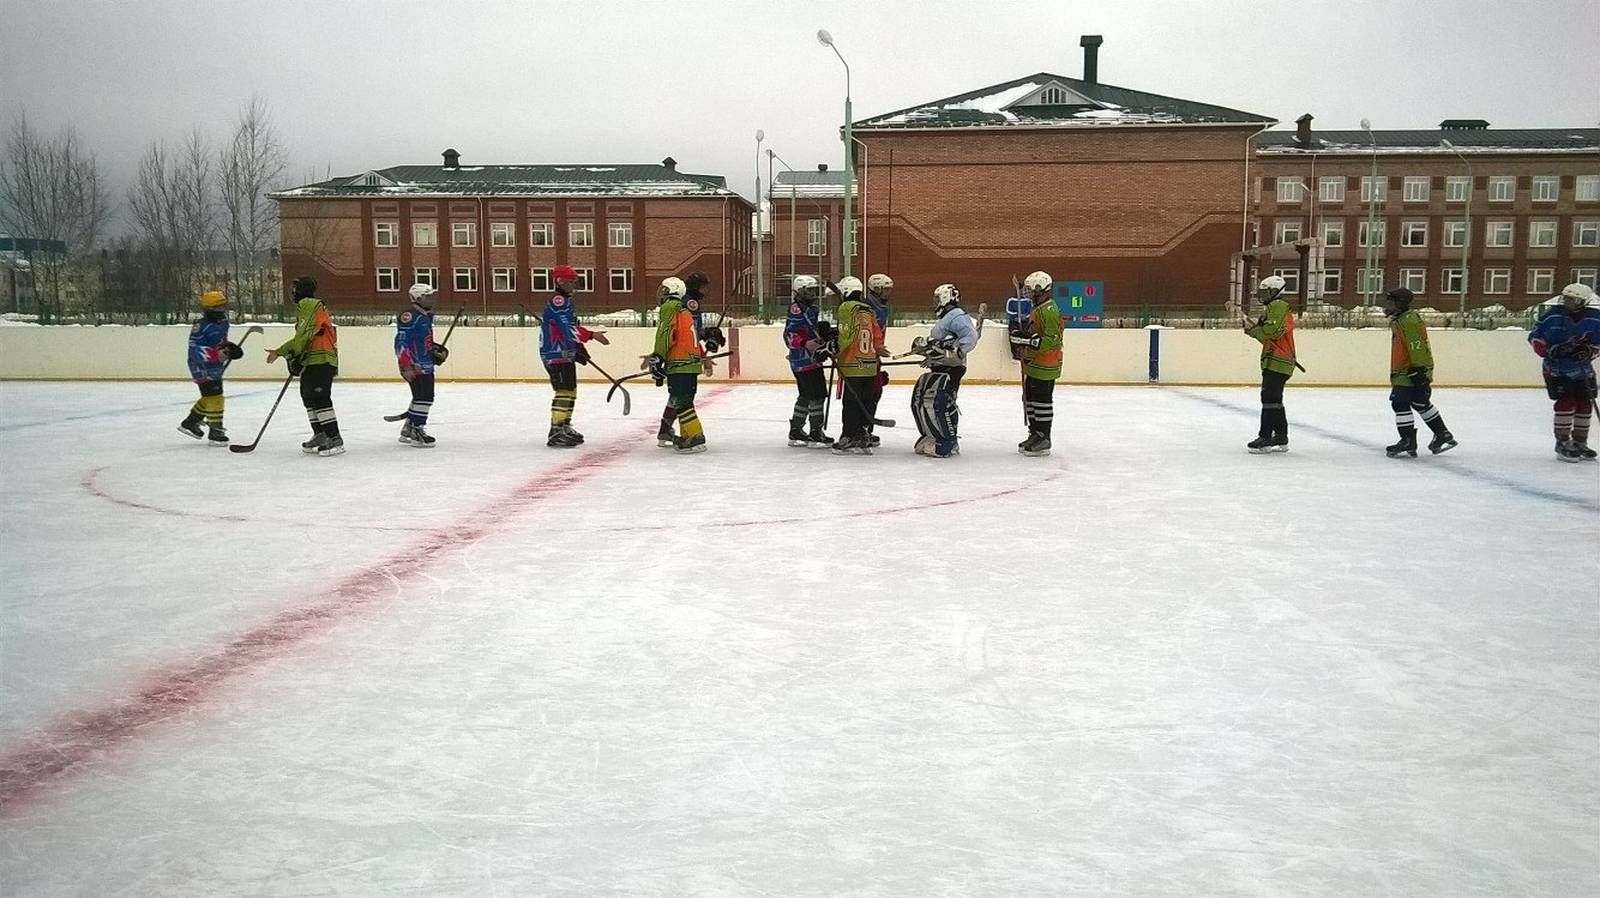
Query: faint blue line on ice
point(116, 413)
point(1439, 465)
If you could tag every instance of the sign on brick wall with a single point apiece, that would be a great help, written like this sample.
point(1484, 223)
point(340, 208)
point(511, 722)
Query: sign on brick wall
point(1082, 303)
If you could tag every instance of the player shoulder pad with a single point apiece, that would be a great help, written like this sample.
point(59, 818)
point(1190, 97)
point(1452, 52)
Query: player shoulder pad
point(406, 316)
point(692, 305)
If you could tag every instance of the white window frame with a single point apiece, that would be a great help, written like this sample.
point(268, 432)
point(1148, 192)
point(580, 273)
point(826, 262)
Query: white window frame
point(1493, 277)
point(817, 237)
point(510, 280)
point(1332, 281)
point(1282, 229)
point(1586, 233)
point(1333, 233)
point(1053, 96)
point(1362, 233)
point(1413, 233)
point(1586, 275)
point(580, 234)
point(1415, 189)
point(426, 274)
point(1546, 188)
point(1331, 189)
point(1542, 233)
point(1499, 233)
point(424, 233)
point(1291, 191)
point(1586, 189)
point(1415, 280)
point(1455, 234)
point(539, 280)
point(585, 280)
point(1541, 281)
point(1291, 279)
point(502, 233)
point(1502, 188)
point(541, 233)
point(626, 277)
point(470, 272)
point(389, 275)
point(463, 230)
point(386, 233)
point(1457, 189)
point(1369, 185)
point(850, 236)
point(1369, 281)
point(619, 234)
point(1450, 281)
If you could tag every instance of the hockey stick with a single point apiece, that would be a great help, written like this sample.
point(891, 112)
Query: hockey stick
point(617, 383)
point(257, 441)
point(252, 329)
point(459, 312)
point(860, 406)
point(627, 401)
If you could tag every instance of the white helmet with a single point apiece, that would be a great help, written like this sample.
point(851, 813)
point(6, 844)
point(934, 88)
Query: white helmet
point(803, 282)
point(945, 295)
point(1576, 296)
point(418, 291)
point(879, 283)
point(1039, 280)
point(1271, 283)
point(673, 287)
point(849, 285)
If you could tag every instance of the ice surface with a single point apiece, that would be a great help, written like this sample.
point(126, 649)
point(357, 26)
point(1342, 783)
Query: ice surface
point(1148, 665)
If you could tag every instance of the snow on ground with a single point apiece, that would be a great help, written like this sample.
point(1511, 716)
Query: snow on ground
point(1148, 665)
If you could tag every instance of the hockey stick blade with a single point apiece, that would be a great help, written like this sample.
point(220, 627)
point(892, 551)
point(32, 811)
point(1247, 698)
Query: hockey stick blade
point(257, 441)
point(400, 417)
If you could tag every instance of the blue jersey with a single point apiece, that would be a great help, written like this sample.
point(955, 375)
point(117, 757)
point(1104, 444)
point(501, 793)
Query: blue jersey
point(413, 339)
point(799, 329)
point(206, 338)
point(955, 324)
point(880, 310)
point(561, 333)
point(1568, 345)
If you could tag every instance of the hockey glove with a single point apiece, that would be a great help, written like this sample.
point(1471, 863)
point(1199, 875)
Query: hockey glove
point(883, 378)
point(438, 354)
point(826, 332)
point(296, 367)
point(919, 346)
point(1419, 377)
point(713, 338)
point(580, 354)
point(657, 366)
point(232, 350)
point(1021, 340)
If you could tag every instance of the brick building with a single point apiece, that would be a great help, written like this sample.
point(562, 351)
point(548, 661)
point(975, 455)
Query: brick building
point(1084, 179)
point(487, 236)
point(1532, 197)
point(805, 218)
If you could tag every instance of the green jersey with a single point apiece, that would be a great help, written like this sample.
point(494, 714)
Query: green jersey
point(315, 340)
point(1408, 348)
point(1275, 330)
point(1043, 362)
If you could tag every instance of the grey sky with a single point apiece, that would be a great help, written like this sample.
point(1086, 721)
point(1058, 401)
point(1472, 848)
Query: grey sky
point(366, 85)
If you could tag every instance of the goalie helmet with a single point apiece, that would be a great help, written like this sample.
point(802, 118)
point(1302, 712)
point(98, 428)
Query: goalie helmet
point(945, 295)
point(1038, 281)
point(674, 288)
point(1576, 296)
point(878, 283)
point(849, 286)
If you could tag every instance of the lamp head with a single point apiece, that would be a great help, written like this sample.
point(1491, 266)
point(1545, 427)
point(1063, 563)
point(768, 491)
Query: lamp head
point(824, 38)
point(1447, 144)
point(760, 135)
point(1366, 125)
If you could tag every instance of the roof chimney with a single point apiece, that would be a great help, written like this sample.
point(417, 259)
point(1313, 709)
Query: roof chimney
point(670, 164)
point(1302, 130)
point(1091, 57)
point(822, 167)
point(452, 160)
point(1463, 124)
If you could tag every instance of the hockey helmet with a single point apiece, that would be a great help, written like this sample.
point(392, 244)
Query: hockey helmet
point(1271, 284)
point(945, 295)
point(305, 287)
point(879, 283)
point(673, 288)
point(803, 283)
point(563, 273)
point(1038, 282)
point(213, 299)
point(849, 286)
point(422, 295)
point(1576, 296)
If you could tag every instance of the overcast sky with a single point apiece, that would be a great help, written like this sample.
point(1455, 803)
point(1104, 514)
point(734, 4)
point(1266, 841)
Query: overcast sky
point(358, 85)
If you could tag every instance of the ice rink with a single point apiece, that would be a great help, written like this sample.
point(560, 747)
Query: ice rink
point(1150, 664)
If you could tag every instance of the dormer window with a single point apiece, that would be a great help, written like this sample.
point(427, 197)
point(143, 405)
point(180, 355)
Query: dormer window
point(370, 179)
point(1053, 96)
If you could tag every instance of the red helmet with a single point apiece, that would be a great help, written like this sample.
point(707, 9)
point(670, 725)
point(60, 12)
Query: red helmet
point(564, 273)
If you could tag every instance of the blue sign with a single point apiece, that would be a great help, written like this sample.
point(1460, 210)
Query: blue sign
point(1082, 303)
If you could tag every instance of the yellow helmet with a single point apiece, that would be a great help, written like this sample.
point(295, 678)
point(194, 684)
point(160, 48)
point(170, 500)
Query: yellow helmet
point(213, 299)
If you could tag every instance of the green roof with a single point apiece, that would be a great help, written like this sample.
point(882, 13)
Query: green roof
point(653, 180)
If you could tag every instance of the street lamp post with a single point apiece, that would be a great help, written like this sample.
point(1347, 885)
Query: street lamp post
point(1466, 239)
point(770, 157)
point(761, 304)
point(826, 39)
point(1372, 212)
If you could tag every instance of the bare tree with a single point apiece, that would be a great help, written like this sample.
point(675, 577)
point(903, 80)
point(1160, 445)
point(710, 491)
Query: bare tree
point(50, 190)
point(247, 167)
point(173, 203)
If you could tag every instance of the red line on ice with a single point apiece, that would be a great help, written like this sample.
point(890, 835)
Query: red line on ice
point(83, 737)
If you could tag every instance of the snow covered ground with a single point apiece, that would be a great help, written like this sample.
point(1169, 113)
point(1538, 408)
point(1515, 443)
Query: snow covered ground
point(1148, 665)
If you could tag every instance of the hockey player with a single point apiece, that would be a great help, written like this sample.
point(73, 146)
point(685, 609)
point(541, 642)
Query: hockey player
point(880, 289)
point(808, 338)
point(561, 350)
point(313, 354)
point(933, 399)
point(209, 353)
point(417, 355)
point(1411, 378)
point(1568, 339)
point(860, 348)
point(1275, 330)
point(678, 360)
point(1039, 339)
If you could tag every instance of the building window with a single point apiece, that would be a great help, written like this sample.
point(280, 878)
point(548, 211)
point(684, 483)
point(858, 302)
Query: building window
point(1497, 233)
point(388, 280)
point(1332, 281)
point(539, 280)
point(1457, 188)
point(1287, 231)
point(622, 280)
point(1450, 281)
point(541, 233)
point(1291, 279)
point(817, 237)
point(1414, 279)
point(502, 233)
point(1053, 96)
point(463, 233)
point(1291, 190)
point(1497, 280)
point(620, 234)
point(1541, 233)
point(1257, 192)
point(1586, 276)
point(466, 280)
point(424, 233)
point(1331, 190)
point(505, 280)
point(1415, 190)
point(850, 242)
point(1541, 281)
point(385, 233)
point(1333, 233)
point(1374, 189)
point(1502, 189)
point(1588, 189)
point(580, 233)
point(1370, 280)
point(585, 280)
point(1586, 233)
point(1455, 233)
point(429, 276)
point(1546, 188)
point(1366, 239)
point(1414, 233)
